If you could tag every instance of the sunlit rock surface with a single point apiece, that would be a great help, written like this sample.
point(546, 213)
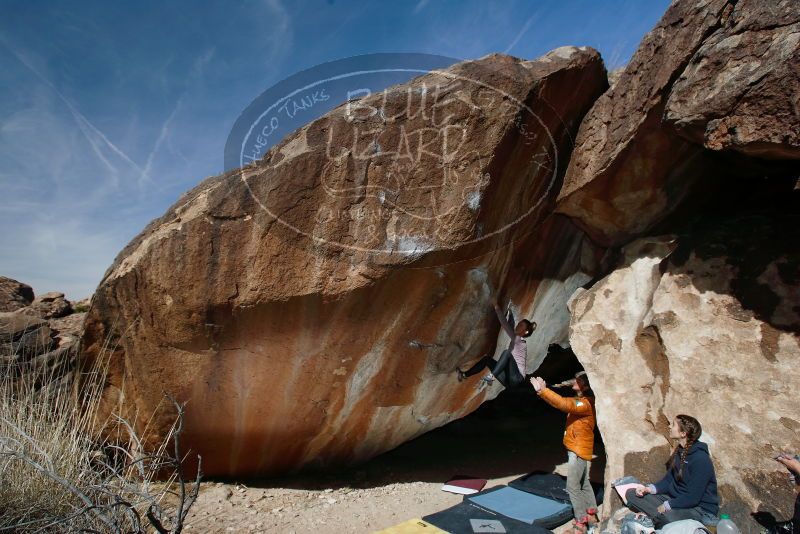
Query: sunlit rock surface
point(707, 325)
point(715, 74)
point(311, 308)
point(741, 89)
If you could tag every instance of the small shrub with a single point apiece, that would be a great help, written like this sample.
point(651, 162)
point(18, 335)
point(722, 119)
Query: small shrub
point(55, 476)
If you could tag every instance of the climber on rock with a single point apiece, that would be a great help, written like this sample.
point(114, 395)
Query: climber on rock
point(509, 369)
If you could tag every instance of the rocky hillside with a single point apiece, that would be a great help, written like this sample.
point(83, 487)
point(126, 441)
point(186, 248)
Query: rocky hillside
point(39, 334)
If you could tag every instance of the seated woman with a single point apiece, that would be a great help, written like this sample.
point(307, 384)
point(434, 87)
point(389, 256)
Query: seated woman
point(689, 488)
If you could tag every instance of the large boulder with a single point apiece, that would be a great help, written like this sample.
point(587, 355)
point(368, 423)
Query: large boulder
point(706, 324)
point(697, 138)
point(312, 307)
point(23, 336)
point(51, 305)
point(68, 329)
point(712, 74)
point(39, 336)
point(740, 90)
point(14, 295)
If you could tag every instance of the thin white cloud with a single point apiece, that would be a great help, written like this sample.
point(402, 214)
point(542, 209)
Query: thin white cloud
point(196, 74)
point(162, 136)
point(279, 35)
point(47, 164)
point(614, 59)
point(97, 139)
point(91, 127)
point(522, 32)
point(67, 187)
point(475, 32)
point(352, 15)
point(96, 148)
point(202, 61)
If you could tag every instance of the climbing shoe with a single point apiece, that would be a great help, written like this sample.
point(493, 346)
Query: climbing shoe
point(485, 381)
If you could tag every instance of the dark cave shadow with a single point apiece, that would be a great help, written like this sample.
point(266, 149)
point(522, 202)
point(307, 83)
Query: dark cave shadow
point(748, 243)
point(743, 224)
point(771, 524)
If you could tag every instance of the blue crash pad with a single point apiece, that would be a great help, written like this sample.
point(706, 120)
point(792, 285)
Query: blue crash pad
point(520, 505)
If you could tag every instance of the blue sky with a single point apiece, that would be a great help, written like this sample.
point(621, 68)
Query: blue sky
point(110, 110)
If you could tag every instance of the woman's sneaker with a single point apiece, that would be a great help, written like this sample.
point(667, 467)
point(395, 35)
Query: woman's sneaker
point(591, 516)
point(579, 526)
point(637, 523)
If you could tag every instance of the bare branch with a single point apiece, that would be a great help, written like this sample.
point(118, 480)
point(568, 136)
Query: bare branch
point(156, 522)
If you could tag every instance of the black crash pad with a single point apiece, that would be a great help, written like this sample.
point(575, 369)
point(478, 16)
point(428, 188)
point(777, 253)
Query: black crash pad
point(550, 485)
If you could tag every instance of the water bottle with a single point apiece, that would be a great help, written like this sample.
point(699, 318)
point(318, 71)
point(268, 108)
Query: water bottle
point(726, 526)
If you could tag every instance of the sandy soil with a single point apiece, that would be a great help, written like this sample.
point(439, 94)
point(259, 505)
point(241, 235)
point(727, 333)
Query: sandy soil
point(504, 439)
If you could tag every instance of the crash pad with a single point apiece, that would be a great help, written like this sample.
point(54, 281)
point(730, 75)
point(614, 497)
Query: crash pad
point(468, 518)
point(520, 505)
point(550, 485)
point(413, 526)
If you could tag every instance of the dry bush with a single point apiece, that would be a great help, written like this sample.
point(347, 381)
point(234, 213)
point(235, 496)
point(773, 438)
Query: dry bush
point(56, 476)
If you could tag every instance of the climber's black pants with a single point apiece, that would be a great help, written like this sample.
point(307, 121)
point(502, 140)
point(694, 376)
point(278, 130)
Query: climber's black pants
point(505, 369)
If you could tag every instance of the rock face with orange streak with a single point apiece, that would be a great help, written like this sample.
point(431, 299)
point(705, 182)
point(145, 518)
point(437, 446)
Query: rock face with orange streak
point(311, 308)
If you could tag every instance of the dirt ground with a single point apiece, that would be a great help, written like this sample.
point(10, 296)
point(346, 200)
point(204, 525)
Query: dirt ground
point(504, 439)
